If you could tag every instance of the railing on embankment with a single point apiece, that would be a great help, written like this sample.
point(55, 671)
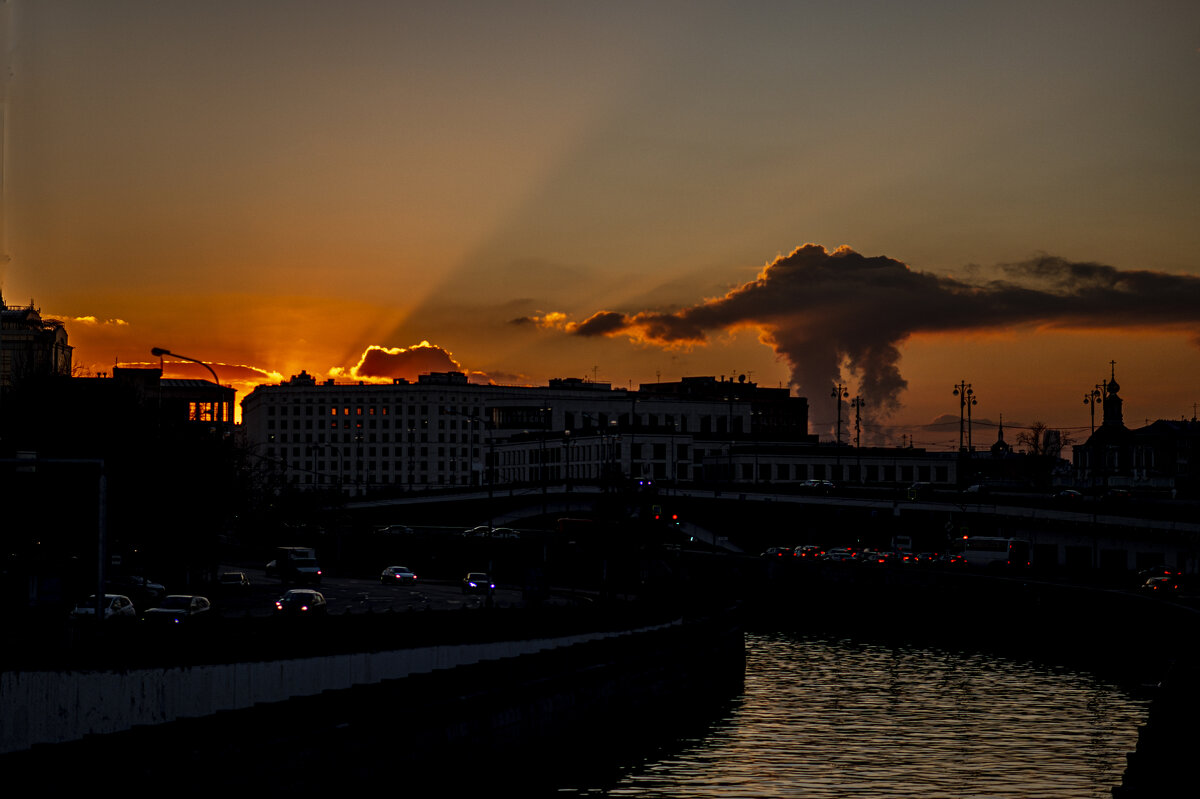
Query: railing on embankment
point(538, 689)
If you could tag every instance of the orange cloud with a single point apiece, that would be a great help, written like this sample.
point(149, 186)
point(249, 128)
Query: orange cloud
point(384, 364)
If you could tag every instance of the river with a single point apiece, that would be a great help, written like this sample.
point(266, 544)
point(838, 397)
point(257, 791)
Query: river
point(822, 718)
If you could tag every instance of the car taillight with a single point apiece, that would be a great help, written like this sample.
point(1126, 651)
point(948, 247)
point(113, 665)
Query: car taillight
point(304, 607)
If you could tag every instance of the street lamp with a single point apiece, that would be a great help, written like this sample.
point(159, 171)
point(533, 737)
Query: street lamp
point(160, 352)
point(1093, 398)
point(857, 404)
point(966, 398)
point(337, 449)
point(220, 414)
point(839, 393)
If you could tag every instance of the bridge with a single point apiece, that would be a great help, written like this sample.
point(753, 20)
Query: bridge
point(1078, 534)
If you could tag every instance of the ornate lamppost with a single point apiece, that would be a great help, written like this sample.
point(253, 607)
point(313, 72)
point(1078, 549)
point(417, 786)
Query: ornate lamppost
point(839, 393)
point(857, 404)
point(1093, 398)
point(966, 398)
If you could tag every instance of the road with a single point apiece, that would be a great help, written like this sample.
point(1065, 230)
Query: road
point(359, 595)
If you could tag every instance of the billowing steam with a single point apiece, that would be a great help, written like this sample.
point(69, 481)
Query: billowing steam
point(825, 312)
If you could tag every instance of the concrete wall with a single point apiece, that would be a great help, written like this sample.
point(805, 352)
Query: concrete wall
point(44, 707)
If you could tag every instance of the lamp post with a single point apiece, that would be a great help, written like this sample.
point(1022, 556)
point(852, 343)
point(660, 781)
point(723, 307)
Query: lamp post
point(321, 448)
point(567, 453)
point(857, 404)
point(489, 465)
point(839, 393)
point(966, 398)
point(970, 445)
point(159, 352)
point(1093, 398)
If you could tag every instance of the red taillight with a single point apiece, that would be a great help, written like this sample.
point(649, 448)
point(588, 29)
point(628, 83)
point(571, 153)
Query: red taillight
point(304, 607)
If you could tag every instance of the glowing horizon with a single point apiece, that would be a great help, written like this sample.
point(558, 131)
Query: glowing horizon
point(290, 189)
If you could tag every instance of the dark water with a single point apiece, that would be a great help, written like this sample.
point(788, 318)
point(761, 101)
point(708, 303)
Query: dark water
point(828, 718)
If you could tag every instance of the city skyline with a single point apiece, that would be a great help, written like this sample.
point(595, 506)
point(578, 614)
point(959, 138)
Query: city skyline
point(271, 190)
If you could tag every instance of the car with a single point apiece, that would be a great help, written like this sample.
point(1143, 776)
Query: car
point(1069, 495)
point(875, 557)
point(840, 555)
point(394, 529)
point(808, 551)
point(482, 531)
point(504, 532)
point(818, 486)
point(144, 590)
point(1159, 570)
point(397, 574)
point(1161, 586)
point(301, 602)
point(178, 608)
point(234, 580)
point(477, 583)
point(920, 491)
point(302, 571)
point(778, 552)
point(116, 606)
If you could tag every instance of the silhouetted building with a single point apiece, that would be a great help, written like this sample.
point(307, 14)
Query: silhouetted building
point(166, 458)
point(1160, 456)
point(30, 345)
point(444, 431)
point(775, 415)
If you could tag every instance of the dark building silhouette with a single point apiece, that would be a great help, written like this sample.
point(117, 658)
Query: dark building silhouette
point(775, 414)
point(154, 458)
point(31, 345)
point(1161, 456)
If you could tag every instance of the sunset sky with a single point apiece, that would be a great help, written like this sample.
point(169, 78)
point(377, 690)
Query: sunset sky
point(1002, 193)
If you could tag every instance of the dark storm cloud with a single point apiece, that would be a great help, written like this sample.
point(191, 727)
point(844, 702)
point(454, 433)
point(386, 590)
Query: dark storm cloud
point(603, 323)
point(824, 311)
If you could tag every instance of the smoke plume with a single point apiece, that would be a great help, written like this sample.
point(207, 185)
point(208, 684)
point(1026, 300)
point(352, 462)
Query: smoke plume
point(825, 312)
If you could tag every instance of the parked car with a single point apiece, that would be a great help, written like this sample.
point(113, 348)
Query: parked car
point(116, 606)
point(397, 574)
point(808, 551)
point(144, 590)
point(301, 602)
point(778, 552)
point(178, 608)
point(477, 583)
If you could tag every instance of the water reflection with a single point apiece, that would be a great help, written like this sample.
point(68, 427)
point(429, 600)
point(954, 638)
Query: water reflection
point(834, 718)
